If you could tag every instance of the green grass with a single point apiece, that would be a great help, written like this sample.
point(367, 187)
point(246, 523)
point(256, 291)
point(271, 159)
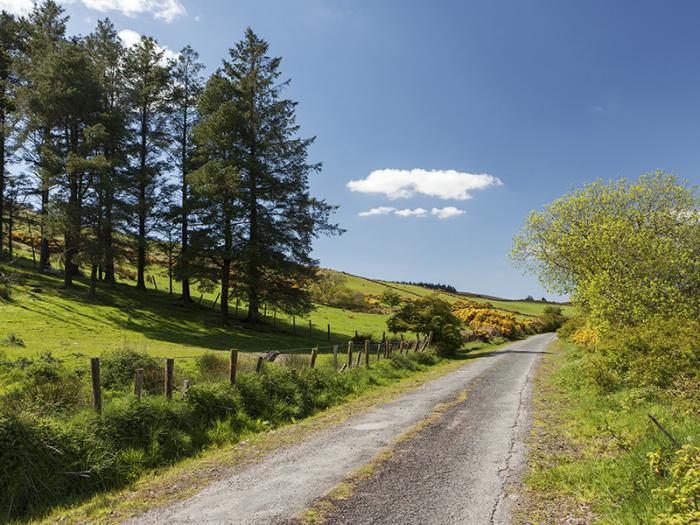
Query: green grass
point(589, 449)
point(68, 324)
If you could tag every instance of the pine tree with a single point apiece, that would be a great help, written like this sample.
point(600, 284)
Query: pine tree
point(11, 44)
point(187, 87)
point(107, 55)
point(215, 189)
point(46, 29)
point(147, 88)
point(276, 218)
point(68, 94)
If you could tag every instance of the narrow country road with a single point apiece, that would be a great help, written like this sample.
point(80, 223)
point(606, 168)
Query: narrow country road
point(453, 471)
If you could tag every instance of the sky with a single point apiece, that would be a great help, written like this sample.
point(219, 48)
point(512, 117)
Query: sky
point(442, 124)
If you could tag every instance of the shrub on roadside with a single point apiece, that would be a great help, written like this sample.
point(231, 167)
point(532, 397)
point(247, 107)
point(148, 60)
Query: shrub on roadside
point(117, 370)
point(681, 492)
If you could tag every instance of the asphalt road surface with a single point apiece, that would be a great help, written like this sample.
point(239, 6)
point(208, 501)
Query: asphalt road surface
point(455, 470)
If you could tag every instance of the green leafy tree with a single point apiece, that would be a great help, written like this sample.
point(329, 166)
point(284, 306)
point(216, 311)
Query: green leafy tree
point(276, 217)
point(625, 250)
point(187, 87)
point(147, 90)
point(426, 315)
point(391, 298)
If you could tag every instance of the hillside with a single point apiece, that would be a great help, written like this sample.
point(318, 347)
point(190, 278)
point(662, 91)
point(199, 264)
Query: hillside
point(67, 323)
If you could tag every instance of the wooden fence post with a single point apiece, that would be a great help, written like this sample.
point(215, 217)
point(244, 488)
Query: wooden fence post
point(259, 365)
point(153, 278)
point(358, 361)
point(335, 357)
point(329, 331)
point(96, 389)
point(349, 363)
point(367, 352)
point(138, 383)
point(379, 351)
point(169, 368)
point(216, 300)
point(200, 299)
point(232, 366)
point(314, 353)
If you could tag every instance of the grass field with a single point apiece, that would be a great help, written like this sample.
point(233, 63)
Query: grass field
point(68, 324)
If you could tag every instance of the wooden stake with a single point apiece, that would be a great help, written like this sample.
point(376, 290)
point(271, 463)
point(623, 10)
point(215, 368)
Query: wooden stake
point(169, 368)
point(232, 366)
point(96, 388)
point(216, 300)
point(349, 363)
point(310, 332)
point(259, 366)
point(335, 357)
point(367, 352)
point(138, 383)
point(200, 299)
point(314, 353)
point(329, 331)
point(153, 278)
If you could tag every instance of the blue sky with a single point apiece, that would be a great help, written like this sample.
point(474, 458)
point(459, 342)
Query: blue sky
point(541, 96)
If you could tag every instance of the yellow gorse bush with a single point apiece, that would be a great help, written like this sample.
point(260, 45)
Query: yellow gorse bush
point(488, 321)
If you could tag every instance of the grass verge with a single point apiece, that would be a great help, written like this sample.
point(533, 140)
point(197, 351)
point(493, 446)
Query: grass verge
point(590, 450)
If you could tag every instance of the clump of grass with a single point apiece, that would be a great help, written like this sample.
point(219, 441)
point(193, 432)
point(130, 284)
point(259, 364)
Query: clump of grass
point(12, 340)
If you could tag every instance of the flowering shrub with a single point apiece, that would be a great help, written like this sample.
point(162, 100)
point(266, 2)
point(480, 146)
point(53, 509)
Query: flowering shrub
point(489, 323)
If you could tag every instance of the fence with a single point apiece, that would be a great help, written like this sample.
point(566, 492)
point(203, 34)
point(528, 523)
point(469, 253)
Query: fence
point(363, 356)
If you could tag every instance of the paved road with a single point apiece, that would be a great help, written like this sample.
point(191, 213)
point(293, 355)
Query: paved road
point(454, 471)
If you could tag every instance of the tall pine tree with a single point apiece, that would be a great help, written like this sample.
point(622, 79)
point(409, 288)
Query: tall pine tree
point(147, 88)
point(187, 87)
point(276, 217)
point(11, 44)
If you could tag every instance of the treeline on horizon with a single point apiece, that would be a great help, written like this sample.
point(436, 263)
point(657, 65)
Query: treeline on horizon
point(115, 147)
point(432, 286)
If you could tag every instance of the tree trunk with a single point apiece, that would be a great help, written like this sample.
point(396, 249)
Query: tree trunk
point(10, 225)
point(72, 237)
point(93, 281)
point(185, 216)
point(44, 247)
point(142, 211)
point(226, 270)
point(107, 239)
point(2, 177)
point(170, 267)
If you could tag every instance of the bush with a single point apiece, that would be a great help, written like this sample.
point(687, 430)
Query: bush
point(117, 370)
point(426, 315)
point(12, 340)
point(660, 354)
point(551, 319)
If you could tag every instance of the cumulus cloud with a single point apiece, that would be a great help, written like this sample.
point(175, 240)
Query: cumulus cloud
point(440, 213)
point(443, 184)
point(17, 7)
point(167, 10)
point(446, 212)
point(131, 38)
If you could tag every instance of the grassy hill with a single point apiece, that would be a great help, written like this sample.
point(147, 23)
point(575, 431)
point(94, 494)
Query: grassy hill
point(67, 323)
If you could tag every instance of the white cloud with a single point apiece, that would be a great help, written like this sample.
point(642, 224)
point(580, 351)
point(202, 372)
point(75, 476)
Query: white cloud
point(443, 184)
point(131, 38)
point(382, 210)
point(167, 10)
point(418, 212)
point(17, 7)
point(446, 212)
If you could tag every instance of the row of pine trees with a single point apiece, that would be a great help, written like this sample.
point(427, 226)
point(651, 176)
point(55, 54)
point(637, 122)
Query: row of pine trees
point(115, 147)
